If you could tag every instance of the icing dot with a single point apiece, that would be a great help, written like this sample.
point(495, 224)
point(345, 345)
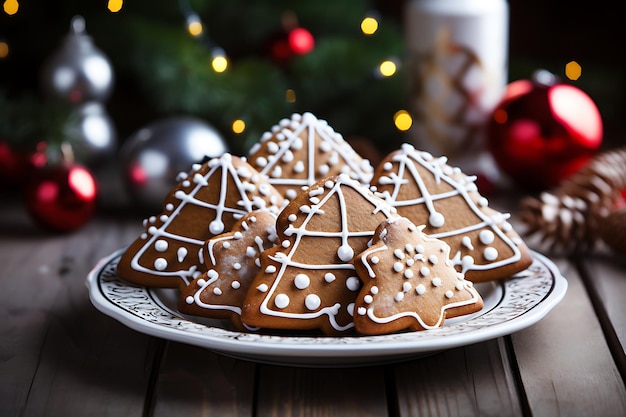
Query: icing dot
point(301, 281)
point(433, 259)
point(292, 217)
point(361, 311)
point(410, 262)
point(345, 253)
point(374, 260)
point(212, 273)
point(368, 298)
point(408, 273)
point(398, 254)
point(160, 264)
point(419, 249)
point(217, 291)
point(436, 219)
point(161, 245)
point(270, 269)
point(312, 301)
point(374, 290)
point(399, 296)
point(350, 309)
point(226, 245)
point(398, 266)
point(285, 243)
point(449, 294)
point(262, 288)
point(169, 207)
point(250, 252)
point(486, 237)
point(216, 227)
point(490, 253)
point(181, 253)
point(201, 282)
point(406, 287)
point(459, 285)
point(235, 285)
point(189, 299)
point(298, 167)
point(420, 289)
point(163, 218)
point(329, 277)
point(281, 301)
point(436, 282)
point(236, 266)
point(424, 271)
point(467, 242)
point(353, 283)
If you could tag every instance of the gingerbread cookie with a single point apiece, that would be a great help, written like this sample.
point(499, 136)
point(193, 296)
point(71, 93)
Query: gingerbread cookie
point(307, 280)
point(409, 282)
point(299, 151)
point(232, 260)
point(484, 245)
point(204, 203)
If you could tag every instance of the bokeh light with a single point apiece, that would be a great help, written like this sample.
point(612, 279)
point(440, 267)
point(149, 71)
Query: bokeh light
point(194, 25)
point(239, 126)
point(573, 70)
point(403, 120)
point(115, 6)
point(219, 62)
point(4, 49)
point(11, 7)
point(387, 68)
point(369, 25)
point(290, 96)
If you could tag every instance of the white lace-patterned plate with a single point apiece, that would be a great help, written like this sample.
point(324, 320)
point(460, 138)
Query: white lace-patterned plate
point(510, 305)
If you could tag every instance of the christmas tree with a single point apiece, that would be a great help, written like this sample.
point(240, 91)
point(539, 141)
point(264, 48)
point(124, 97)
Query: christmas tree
point(276, 58)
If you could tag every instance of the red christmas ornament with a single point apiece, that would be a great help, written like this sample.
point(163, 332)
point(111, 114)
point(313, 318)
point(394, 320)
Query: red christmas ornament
point(61, 198)
point(543, 131)
point(16, 165)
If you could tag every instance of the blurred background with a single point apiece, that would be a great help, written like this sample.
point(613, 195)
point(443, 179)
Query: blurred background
point(237, 67)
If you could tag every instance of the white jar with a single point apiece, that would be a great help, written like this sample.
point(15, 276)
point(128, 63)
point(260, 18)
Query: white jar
point(457, 66)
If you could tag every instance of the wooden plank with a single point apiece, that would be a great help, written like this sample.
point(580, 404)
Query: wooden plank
point(564, 361)
point(196, 382)
point(475, 380)
point(332, 392)
point(605, 278)
point(59, 356)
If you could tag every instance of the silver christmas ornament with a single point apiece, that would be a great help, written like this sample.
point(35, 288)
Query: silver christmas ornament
point(153, 156)
point(91, 133)
point(78, 71)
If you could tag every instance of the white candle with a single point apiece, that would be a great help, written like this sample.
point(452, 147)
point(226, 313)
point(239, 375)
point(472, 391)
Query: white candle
point(457, 58)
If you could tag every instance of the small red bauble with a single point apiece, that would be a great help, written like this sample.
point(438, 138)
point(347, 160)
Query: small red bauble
point(542, 132)
point(61, 198)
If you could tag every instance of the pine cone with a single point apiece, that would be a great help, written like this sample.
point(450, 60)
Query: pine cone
point(568, 218)
point(612, 230)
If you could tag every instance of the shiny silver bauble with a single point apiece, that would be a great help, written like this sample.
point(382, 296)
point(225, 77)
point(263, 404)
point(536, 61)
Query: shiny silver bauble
point(78, 71)
point(153, 156)
point(91, 133)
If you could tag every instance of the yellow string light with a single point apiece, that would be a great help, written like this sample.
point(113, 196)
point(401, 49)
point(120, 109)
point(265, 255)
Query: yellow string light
point(115, 6)
point(239, 126)
point(4, 49)
point(11, 7)
point(194, 25)
point(369, 25)
point(573, 70)
point(387, 68)
point(403, 120)
point(219, 63)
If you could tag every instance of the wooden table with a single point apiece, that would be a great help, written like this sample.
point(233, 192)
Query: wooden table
point(59, 356)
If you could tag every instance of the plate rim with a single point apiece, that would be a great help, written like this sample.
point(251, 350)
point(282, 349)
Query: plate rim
point(312, 349)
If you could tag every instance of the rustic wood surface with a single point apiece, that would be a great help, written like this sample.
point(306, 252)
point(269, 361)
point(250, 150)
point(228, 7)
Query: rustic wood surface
point(59, 356)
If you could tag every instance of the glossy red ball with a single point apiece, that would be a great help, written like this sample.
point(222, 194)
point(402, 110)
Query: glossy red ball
point(61, 198)
point(541, 134)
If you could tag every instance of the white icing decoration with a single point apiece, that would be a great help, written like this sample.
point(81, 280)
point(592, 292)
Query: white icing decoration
point(217, 291)
point(281, 301)
point(486, 237)
point(490, 253)
point(161, 245)
point(160, 264)
point(181, 253)
point(312, 301)
point(353, 283)
point(420, 289)
point(436, 282)
point(301, 281)
point(235, 285)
